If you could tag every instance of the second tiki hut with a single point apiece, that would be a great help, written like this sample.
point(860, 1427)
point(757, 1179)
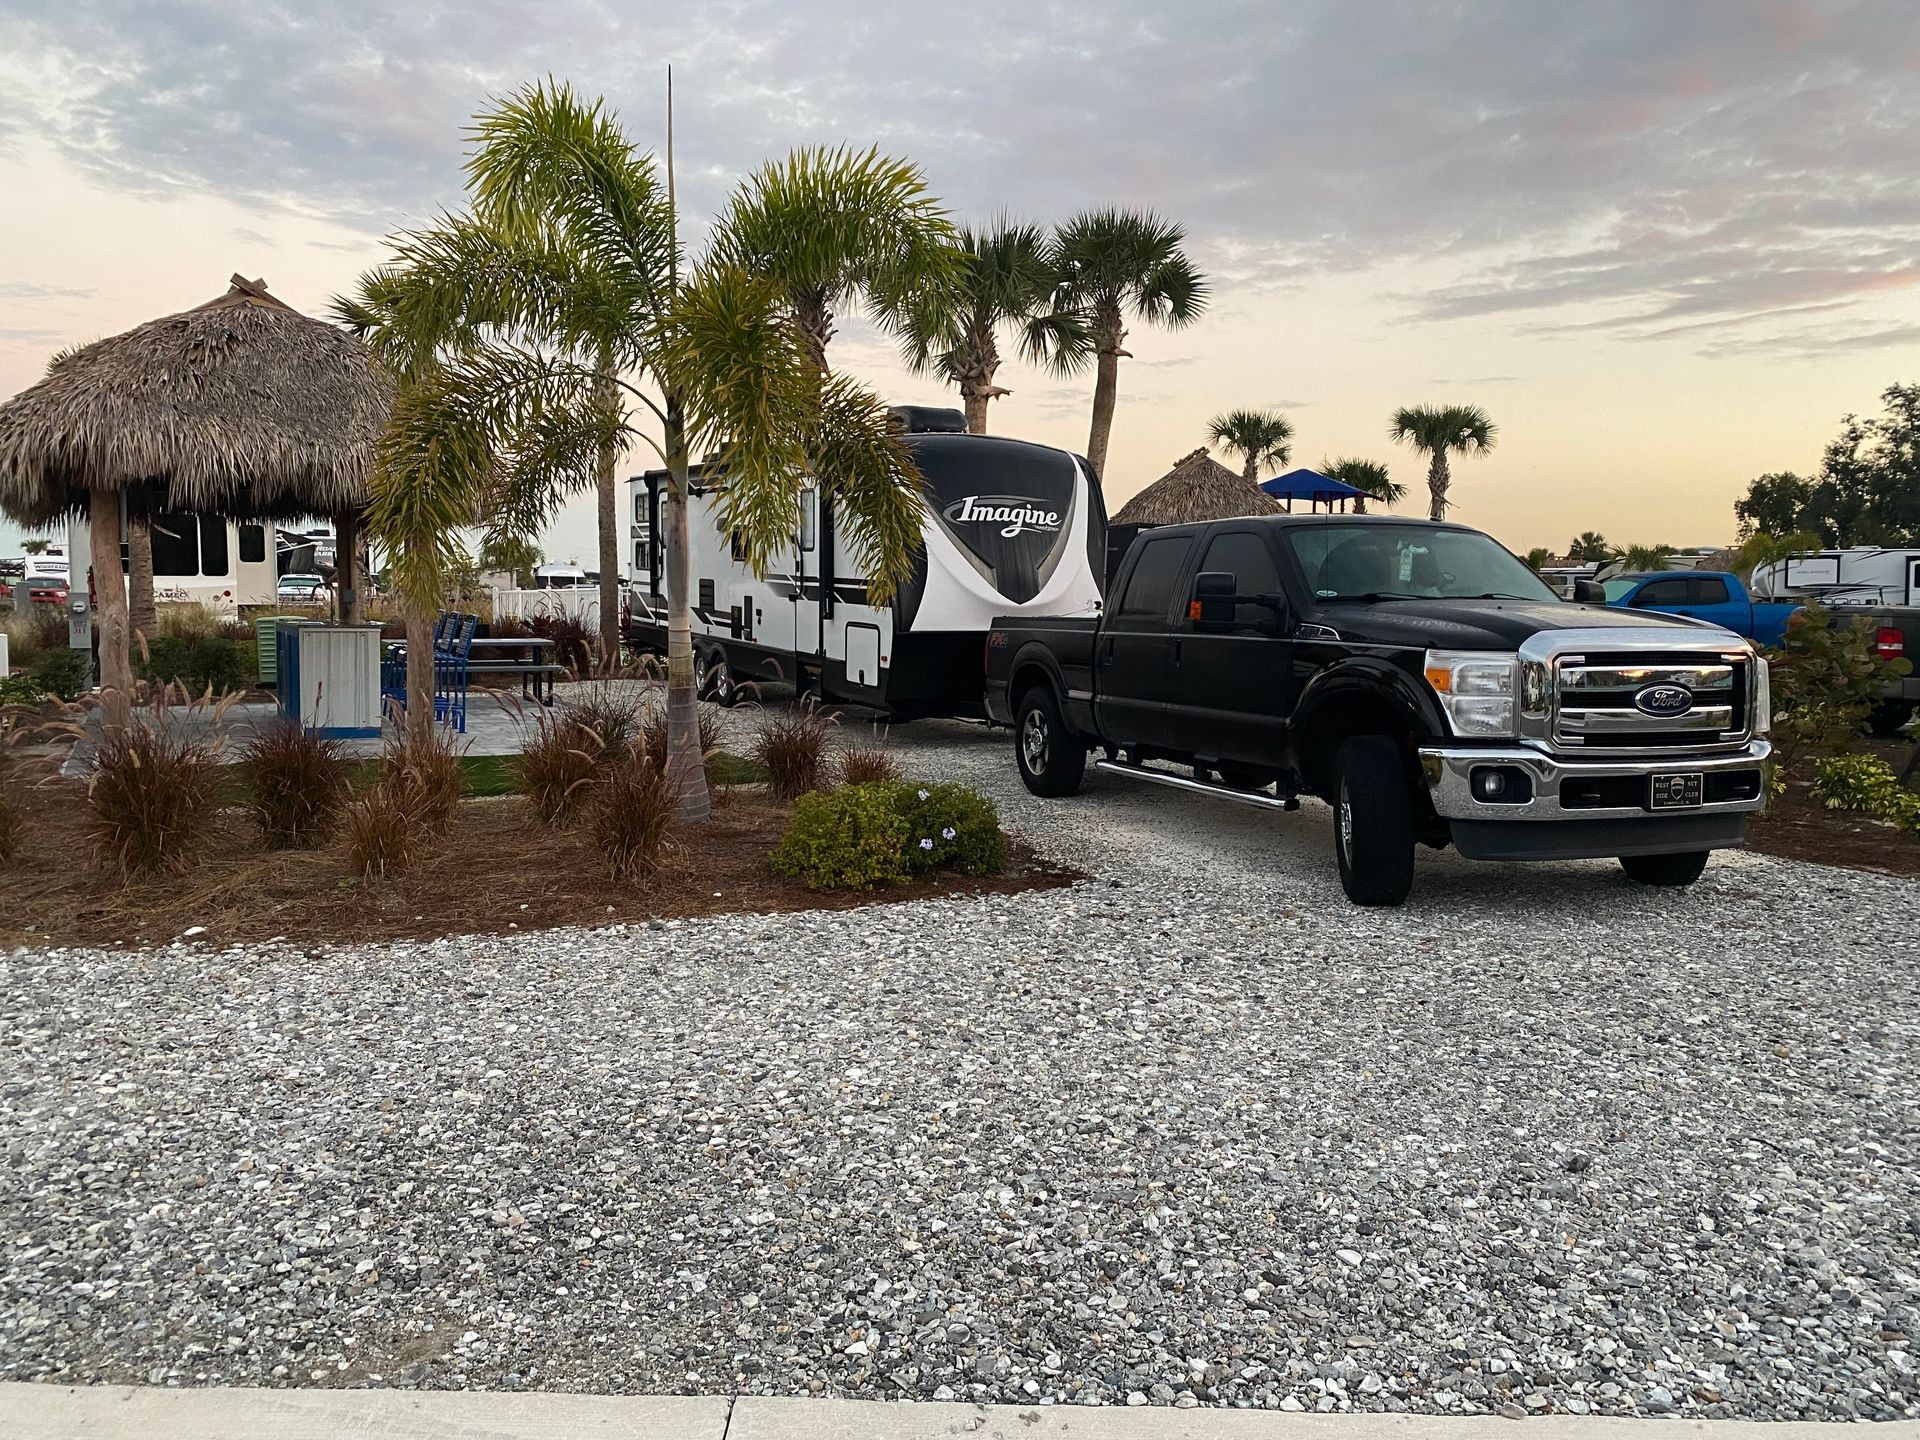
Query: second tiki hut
point(241, 408)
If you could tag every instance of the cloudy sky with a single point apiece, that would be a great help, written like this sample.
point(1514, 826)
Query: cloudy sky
point(1666, 243)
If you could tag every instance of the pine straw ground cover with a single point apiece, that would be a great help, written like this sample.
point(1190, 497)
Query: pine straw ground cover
point(495, 871)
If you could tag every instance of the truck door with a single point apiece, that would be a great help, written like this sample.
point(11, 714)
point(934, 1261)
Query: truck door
point(1232, 686)
point(1703, 597)
point(1131, 650)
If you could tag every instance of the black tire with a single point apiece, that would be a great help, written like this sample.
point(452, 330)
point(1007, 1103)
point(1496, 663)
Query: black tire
point(1373, 821)
point(1668, 870)
point(1051, 760)
point(1886, 719)
point(721, 687)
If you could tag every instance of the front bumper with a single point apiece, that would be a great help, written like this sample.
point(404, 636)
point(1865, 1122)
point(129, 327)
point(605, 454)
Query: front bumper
point(1559, 822)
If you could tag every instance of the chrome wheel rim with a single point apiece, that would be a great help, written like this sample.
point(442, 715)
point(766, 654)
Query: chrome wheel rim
point(700, 674)
point(1033, 742)
point(722, 682)
point(1346, 823)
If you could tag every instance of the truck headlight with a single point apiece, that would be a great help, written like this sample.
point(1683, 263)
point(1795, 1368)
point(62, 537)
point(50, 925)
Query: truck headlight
point(1762, 697)
point(1476, 688)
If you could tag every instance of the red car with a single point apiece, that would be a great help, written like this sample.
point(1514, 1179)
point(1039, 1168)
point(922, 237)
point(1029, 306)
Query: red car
point(35, 590)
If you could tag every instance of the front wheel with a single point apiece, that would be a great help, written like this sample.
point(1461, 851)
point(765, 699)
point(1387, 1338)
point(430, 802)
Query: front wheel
point(1051, 760)
point(1373, 822)
point(1669, 870)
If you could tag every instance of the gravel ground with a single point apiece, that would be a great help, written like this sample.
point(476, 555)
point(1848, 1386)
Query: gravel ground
point(1193, 1133)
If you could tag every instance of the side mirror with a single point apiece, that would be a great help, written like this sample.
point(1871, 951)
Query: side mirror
point(1589, 592)
point(1213, 605)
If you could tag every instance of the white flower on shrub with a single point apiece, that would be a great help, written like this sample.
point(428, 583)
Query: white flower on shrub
point(948, 833)
point(926, 844)
point(923, 794)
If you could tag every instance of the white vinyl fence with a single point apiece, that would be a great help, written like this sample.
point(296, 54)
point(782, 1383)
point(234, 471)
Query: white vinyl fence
point(582, 602)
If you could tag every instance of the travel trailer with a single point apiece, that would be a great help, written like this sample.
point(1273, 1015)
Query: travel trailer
point(1860, 575)
point(1011, 528)
point(201, 558)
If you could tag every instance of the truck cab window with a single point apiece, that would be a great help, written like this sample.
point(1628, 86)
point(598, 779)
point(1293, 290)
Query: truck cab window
point(1251, 563)
point(1155, 573)
point(1708, 590)
point(1666, 592)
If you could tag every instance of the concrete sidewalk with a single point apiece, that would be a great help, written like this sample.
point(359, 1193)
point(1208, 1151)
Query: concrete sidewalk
point(53, 1412)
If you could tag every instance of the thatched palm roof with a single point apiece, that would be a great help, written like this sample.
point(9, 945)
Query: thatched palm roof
point(1198, 487)
point(241, 406)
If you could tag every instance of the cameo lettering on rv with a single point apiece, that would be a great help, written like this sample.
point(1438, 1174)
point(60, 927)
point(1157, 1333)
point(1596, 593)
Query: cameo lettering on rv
point(1010, 512)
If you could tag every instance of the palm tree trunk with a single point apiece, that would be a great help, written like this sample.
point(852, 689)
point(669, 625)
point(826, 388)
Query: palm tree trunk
point(606, 395)
point(1106, 388)
point(1438, 478)
point(813, 318)
point(116, 661)
point(976, 403)
point(686, 767)
point(1359, 504)
point(143, 614)
point(1250, 471)
point(419, 676)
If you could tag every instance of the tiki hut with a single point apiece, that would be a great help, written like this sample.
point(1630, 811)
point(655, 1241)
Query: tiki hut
point(1197, 488)
point(242, 408)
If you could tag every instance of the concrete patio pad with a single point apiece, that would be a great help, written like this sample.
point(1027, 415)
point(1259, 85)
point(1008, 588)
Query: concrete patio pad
point(103, 1412)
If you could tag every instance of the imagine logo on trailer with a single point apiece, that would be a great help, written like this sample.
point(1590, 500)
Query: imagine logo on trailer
point(1011, 512)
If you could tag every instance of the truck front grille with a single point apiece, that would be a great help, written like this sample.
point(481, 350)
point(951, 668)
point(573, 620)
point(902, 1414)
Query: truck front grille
point(1597, 703)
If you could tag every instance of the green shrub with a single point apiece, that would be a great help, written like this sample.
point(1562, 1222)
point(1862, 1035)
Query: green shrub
point(22, 689)
point(949, 827)
point(199, 663)
point(853, 838)
point(60, 672)
point(861, 836)
point(1865, 783)
point(1826, 680)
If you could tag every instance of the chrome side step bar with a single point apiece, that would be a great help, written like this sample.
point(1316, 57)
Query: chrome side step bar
point(1257, 798)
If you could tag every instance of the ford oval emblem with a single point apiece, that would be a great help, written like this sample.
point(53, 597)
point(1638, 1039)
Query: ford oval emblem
point(1664, 701)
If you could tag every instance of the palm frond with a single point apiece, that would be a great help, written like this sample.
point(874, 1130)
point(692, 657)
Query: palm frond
point(1465, 429)
point(864, 466)
point(1259, 437)
point(1130, 262)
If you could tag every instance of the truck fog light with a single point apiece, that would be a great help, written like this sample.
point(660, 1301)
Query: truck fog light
point(1501, 785)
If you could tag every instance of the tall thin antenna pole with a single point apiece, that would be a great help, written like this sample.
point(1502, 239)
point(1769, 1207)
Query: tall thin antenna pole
point(673, 213)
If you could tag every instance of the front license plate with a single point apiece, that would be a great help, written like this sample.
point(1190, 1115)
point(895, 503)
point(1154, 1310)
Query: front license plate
point(1677, 792)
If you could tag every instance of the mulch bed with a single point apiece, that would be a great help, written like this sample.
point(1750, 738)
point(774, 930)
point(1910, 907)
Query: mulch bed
point(496, 871)
point(1796, 826)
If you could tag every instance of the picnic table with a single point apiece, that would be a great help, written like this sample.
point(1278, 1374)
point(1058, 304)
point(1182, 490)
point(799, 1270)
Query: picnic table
point(492, 655)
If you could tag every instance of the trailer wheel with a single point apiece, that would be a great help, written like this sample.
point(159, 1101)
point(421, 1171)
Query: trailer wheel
point(700, 666)
point(1051, 760)
point(1667, 870)
point(1373, 822)
point(720, 687)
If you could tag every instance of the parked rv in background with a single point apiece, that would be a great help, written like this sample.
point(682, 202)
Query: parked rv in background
point(1862, 575)
point(1012, 528)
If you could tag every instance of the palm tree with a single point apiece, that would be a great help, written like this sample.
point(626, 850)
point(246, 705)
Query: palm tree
point(1636, 559)
point(1368, 475)
point(562, 321)
point(1438, 431)
point(1538, 557)
point(834, 228)
point(1010, 278)
point(36, 547)
point(1122, 265)
point(1589, 546)
point(1258, 437)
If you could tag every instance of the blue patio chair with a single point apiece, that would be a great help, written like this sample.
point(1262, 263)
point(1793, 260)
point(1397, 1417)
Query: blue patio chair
point(450, 676)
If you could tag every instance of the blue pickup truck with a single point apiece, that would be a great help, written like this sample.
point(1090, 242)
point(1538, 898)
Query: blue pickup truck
point(1715, 596)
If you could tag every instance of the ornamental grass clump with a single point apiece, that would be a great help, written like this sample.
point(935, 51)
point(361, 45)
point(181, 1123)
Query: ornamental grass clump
point(792, 746)
point(866, 765)
point(426, 777)
point(152, 798)
point(631, 811)
point(382, 839)
point(296, 786)
point(557, 765)
point(10, 821)
point(653, 730)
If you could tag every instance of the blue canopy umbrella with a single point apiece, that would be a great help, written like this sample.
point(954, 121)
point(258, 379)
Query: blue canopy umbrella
point(1313, 487)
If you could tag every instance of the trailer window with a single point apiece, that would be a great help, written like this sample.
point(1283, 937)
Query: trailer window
point(213, 545)
point(1150, 590)
point(253, 544)
point(176, 544)
point(809, 511)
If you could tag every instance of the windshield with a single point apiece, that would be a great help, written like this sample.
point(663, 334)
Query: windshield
point(1409, 562)
point(1617, 589)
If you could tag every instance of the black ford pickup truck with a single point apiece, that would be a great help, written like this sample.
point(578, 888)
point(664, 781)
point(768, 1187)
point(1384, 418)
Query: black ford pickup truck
point(1414, 675)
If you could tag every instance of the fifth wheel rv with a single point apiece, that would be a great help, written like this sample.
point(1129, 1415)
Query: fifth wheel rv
point(1012, 528)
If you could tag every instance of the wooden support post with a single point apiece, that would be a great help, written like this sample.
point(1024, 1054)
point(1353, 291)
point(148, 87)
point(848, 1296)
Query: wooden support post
point(347, 579)
point(110, 588)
